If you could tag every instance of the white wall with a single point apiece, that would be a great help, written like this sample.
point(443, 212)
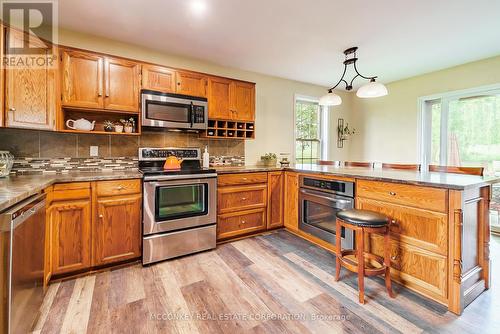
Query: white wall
point(274, 96)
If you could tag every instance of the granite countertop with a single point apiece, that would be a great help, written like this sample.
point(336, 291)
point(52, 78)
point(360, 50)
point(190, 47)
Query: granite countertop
point(14, 189)
point(430, 179)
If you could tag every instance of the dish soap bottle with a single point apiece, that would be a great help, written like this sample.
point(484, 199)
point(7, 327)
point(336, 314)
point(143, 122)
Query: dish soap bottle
point(206, 158)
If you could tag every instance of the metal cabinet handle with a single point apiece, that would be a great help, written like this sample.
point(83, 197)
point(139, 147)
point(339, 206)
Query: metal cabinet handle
point(392, 193)
point(12, 109)
point(394, 257)
point(101, 216)
point(119, 188)
point(243, 198)
point(243, 222)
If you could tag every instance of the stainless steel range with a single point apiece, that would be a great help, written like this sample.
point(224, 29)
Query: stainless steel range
point(179, 215)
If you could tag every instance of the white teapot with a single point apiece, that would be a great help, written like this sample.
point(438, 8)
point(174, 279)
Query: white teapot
point(81, 124)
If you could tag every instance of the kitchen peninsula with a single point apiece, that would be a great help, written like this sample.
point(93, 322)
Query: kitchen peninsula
point(440, 228)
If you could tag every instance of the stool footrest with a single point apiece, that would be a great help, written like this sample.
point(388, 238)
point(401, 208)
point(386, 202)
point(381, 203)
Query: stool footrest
point(353, 266)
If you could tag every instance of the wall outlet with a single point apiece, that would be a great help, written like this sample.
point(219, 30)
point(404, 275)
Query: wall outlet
point(94, 151)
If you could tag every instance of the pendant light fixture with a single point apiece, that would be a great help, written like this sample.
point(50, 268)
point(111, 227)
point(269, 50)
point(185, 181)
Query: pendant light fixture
point(368, 90)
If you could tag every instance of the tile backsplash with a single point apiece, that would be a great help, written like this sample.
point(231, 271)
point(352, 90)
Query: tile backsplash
point(46, 144)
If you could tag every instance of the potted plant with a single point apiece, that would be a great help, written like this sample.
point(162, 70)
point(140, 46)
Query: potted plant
point(108, 126)
point(128, 124)
point(269, 159)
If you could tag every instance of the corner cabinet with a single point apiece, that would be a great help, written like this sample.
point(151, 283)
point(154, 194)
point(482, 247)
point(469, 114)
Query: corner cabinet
point(30, 92)
point(93, 224)
point(93, 81)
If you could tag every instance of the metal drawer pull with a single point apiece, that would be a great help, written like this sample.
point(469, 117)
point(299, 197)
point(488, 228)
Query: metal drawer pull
point(394, 257)
point(243, 198)
point(101, 216)
point(119, 188)
point(392, 193)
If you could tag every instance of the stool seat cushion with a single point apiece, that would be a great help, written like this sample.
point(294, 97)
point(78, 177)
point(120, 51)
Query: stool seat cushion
point(363, 218)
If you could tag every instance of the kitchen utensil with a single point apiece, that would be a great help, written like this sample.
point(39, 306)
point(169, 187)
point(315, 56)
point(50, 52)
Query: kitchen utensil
point(82, 124)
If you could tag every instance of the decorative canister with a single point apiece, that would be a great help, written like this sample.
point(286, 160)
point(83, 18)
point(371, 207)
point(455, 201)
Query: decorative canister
point(6, 162)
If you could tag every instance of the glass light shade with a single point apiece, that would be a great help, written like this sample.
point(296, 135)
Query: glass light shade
point(330, 99)
point(372, 89)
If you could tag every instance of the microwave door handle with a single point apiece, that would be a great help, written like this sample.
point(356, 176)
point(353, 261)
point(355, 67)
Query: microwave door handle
point(191, 113)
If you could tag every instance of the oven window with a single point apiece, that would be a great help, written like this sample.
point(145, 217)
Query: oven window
point(321, 216)
point(167, 111)
point(181, 201)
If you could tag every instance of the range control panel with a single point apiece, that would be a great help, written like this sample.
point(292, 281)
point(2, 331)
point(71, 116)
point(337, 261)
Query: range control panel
point(152, 154)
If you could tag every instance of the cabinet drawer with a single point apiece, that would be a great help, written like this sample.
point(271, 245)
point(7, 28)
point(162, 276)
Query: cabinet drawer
point(242, 178)
point(71, 191)
point(422, 228)
point(420, 197)
point(239, 223)
point(241, 198)
point(118, 187)
point(416, 268)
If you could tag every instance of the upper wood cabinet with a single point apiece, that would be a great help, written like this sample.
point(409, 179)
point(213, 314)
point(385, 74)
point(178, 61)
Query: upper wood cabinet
point(82, 79)
point(158, 78)
point(230, 99)
point(30, 92)
point(219, 98)
point(94, 81)
point(243, 96)
point(191, 83)
point(121, 84)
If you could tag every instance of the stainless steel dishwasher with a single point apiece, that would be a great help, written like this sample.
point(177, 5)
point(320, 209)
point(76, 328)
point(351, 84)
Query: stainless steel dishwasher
point(22, 245)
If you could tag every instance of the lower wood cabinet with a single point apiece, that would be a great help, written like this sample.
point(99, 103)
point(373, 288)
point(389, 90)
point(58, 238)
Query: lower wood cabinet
point(241, 222)
point(88, 230)
point(291, 203)
point(275, 199)
point(117, 229)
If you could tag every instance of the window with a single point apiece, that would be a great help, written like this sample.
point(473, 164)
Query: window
point(309, 144)
point(462, 130)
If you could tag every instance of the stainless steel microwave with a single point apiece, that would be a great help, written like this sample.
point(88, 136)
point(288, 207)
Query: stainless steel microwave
point(173, 111)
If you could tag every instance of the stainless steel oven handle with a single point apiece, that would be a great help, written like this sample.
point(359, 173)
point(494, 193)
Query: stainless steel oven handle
point(178, 177)
point(333, 199)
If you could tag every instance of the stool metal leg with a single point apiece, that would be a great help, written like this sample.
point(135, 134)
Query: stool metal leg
point(387, 262)
point(338, 248)
point(361, 264)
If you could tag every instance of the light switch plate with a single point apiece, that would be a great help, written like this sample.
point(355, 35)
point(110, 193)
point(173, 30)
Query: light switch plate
point(94, 151)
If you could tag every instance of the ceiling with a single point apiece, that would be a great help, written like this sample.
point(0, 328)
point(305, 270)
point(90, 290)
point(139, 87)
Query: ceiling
point(301, 39)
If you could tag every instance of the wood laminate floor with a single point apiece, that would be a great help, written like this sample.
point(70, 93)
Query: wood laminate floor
point(275, 283)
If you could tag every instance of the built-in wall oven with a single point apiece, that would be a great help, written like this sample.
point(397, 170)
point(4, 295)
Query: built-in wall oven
point(319, 202)
point(179, 215)
point(173, 111)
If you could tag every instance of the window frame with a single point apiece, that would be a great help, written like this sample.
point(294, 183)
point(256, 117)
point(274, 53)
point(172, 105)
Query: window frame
point(322, 126)
point(424, 135)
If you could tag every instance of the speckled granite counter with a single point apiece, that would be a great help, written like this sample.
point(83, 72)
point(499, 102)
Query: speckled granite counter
point(14, 189)
point(437, 180)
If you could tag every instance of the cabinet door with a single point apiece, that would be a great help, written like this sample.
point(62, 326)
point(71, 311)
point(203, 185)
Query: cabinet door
point(70, 224)
point(121, 80)
point(243, 96)
point(158, 78)
point(233, 224)
point(82, 79)
point(193, 84)
point(275, 192)
point(30, 93)
point(2, 33)
point(219, 98)
point(291, 206)
point(117, 230)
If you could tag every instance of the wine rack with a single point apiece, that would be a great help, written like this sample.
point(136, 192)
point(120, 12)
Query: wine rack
point(229, 129)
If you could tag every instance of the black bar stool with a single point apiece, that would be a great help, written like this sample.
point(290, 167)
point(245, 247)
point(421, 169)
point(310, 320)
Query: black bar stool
point(361, 221)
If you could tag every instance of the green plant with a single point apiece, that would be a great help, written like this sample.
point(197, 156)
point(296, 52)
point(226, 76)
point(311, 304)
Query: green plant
point(108, 125)
point(128, 122)
point(268, 157)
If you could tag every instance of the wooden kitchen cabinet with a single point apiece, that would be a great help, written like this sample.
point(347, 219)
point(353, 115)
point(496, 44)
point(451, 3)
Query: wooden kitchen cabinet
point(94, 81)
point(82, 79)
point(291, 203)
point(93, 224)
point(121, 84)
point(191, 83)
point(158, 78)
point(219, 98)
point(70, 223)
point(243, 100)
point(240, 223)
point(239, 198)
point(30, 92)
point(117, 229)
point(275, 203)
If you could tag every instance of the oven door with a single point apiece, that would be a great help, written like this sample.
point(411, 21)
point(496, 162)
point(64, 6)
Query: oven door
point(173, 112)
point(178, 204)
point(317, 215)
